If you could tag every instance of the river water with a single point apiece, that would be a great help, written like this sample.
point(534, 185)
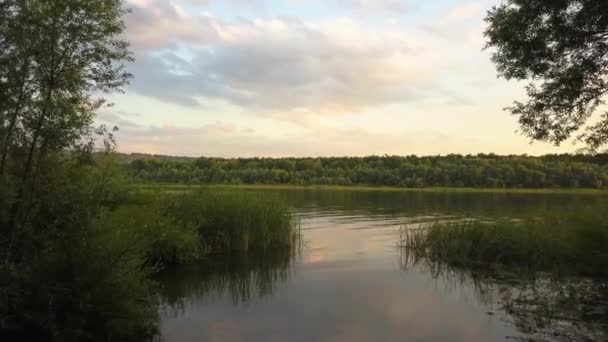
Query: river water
point(348, 280)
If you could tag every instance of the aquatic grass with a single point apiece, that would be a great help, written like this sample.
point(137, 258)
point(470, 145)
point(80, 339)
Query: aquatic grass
point(180, 228)
point(549, 273)
point(573, 243)
point(234, 221)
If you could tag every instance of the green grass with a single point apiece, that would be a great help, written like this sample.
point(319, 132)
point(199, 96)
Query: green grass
point(234, 221)
point(192, 187)
point(183, 227)
point(575, 243)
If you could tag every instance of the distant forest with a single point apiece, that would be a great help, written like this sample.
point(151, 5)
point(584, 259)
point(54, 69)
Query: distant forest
point(477, 171)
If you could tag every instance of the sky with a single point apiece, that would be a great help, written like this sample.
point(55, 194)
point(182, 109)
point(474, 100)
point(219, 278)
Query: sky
point(279, 78)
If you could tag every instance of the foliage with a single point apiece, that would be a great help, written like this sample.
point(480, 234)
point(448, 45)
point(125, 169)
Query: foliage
point(489, 171)
point(562, 46)
point(163, 243)
point(64, 274)
point(76, 277)
point(103, 242)
point(57, 55)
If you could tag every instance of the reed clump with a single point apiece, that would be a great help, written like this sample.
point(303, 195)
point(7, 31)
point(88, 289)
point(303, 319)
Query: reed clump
point(234, 221)
point(575, 243)
point(180, 228)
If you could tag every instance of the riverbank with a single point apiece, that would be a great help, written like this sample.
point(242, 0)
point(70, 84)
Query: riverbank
point(191, 187)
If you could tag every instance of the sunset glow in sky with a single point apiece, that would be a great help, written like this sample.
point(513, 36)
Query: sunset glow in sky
point(240, 78)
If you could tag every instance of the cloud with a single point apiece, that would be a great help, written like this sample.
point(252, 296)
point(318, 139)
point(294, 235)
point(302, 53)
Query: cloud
point(394, 6)
point(115, 119)
point(465, 11)
point(225, 139)
point(343, 77)
point(273, 65)
point(464, 20)
point(167, 129)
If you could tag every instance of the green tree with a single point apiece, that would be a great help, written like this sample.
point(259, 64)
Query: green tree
point(65, 275)
point(57, 57)
point(562, 47)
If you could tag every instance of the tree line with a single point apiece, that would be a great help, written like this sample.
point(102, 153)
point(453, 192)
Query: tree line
point(477, 171)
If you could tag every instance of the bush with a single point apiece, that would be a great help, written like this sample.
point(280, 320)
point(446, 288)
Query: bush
point(81, 262)
point(72, 275)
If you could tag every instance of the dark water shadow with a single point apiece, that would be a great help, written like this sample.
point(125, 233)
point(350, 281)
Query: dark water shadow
point(542, 306)
point(240, 277)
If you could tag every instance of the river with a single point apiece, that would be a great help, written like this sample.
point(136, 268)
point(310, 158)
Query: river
point(348, 280)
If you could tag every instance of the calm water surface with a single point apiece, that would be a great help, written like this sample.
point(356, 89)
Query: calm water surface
point(348, 281)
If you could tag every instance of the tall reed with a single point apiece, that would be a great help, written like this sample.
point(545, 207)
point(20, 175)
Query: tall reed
point(179, 228)
point(234, 221)
point(569, 242)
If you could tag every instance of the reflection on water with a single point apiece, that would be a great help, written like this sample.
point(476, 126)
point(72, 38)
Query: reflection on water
point(350, 282)
point(542, 306)
point(238, 277)
point(552, 309)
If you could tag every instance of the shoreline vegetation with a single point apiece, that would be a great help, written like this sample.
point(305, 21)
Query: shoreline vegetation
point(107, 243)
point(562, 243)
point(483, 171)
point(199, 187)
point(549, 273)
